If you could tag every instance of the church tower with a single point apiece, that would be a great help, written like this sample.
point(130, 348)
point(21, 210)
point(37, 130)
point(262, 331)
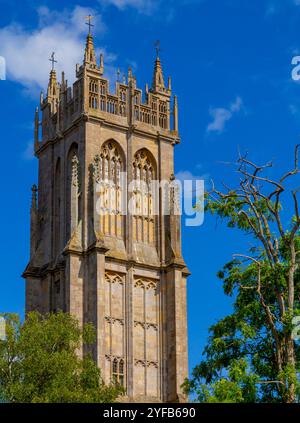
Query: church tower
point(89, 256)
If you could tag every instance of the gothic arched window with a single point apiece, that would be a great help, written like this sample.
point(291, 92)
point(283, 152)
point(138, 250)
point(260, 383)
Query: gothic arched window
point(109, 165)
point(93, 86)
point(118, 371)
point(143, 197)
point(93, 94)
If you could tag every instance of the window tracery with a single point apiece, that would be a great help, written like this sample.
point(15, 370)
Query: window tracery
point(143, 198)
point(108, 167)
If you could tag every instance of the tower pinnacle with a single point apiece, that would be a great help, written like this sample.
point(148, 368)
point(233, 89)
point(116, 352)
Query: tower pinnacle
point(158, 84)
point(90, 56)
point(52, 79)
point(53, 86)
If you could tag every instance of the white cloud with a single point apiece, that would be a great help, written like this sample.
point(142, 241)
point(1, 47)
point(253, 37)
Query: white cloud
point(222, 115)
point(2, 69)
point(28, 153)
point(143, 6)
point(192, 190)
point(186, 175)
point(27, 51)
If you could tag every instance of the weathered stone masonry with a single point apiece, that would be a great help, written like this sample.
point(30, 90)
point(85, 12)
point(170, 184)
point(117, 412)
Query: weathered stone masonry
point(125, 274)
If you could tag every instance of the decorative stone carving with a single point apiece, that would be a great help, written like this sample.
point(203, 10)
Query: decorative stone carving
point(113, 320)
point(145, 284)
point(146, 363)
point(114, 278)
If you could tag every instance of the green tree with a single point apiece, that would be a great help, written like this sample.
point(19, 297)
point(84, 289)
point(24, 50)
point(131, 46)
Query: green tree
point(252, 354)
point(39, 362)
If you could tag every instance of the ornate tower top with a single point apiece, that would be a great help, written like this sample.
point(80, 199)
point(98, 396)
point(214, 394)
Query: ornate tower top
point(91, 96)
point(90, 60)
point(89, 55)
point(158, 83)
point(53, 86)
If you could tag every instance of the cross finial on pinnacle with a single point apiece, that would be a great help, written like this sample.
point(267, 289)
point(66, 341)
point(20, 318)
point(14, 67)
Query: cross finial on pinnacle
point(89, 22)
point(157, 48)
point(52, 60)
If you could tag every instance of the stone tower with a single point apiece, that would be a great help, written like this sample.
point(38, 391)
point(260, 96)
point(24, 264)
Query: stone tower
point(121, 271)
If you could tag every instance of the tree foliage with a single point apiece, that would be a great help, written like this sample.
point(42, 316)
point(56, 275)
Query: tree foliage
point(39, 362)
point(252, 354)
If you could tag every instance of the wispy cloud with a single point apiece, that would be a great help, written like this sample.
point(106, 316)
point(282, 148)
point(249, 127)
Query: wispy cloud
point(222, 115)
point(142, 6)
point(27, 51)
point(192, 189)
point(166, 8)
point(28, 153)
point(184, 175)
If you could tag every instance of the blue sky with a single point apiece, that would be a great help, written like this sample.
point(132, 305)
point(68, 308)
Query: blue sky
point(230, 62)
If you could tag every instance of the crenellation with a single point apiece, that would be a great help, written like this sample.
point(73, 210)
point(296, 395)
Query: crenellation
point(90, 95)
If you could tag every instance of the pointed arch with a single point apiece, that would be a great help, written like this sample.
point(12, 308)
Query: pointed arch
point(144, 173)
point(109, 166)
point(118, 371)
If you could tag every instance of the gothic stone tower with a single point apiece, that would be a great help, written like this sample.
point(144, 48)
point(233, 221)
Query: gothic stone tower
point(123, 273)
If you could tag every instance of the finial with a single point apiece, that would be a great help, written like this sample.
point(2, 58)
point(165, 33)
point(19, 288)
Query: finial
point(53, 61)
point(175, 114)
point(41, 98)
point(118, 74)
point(158, 84)
point(124, 79)
point(36, 129)
point(157, 48)
point(89, 22)
point(89, 54)
point(101, 64)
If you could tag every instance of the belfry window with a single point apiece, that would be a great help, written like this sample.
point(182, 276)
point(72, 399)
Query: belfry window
point(93, 102)
point(143, 198)
point(94, 86)
point(108, 166)
point(102, 89)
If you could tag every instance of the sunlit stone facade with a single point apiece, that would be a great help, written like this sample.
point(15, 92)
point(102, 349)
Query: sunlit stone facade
point(122, 272)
